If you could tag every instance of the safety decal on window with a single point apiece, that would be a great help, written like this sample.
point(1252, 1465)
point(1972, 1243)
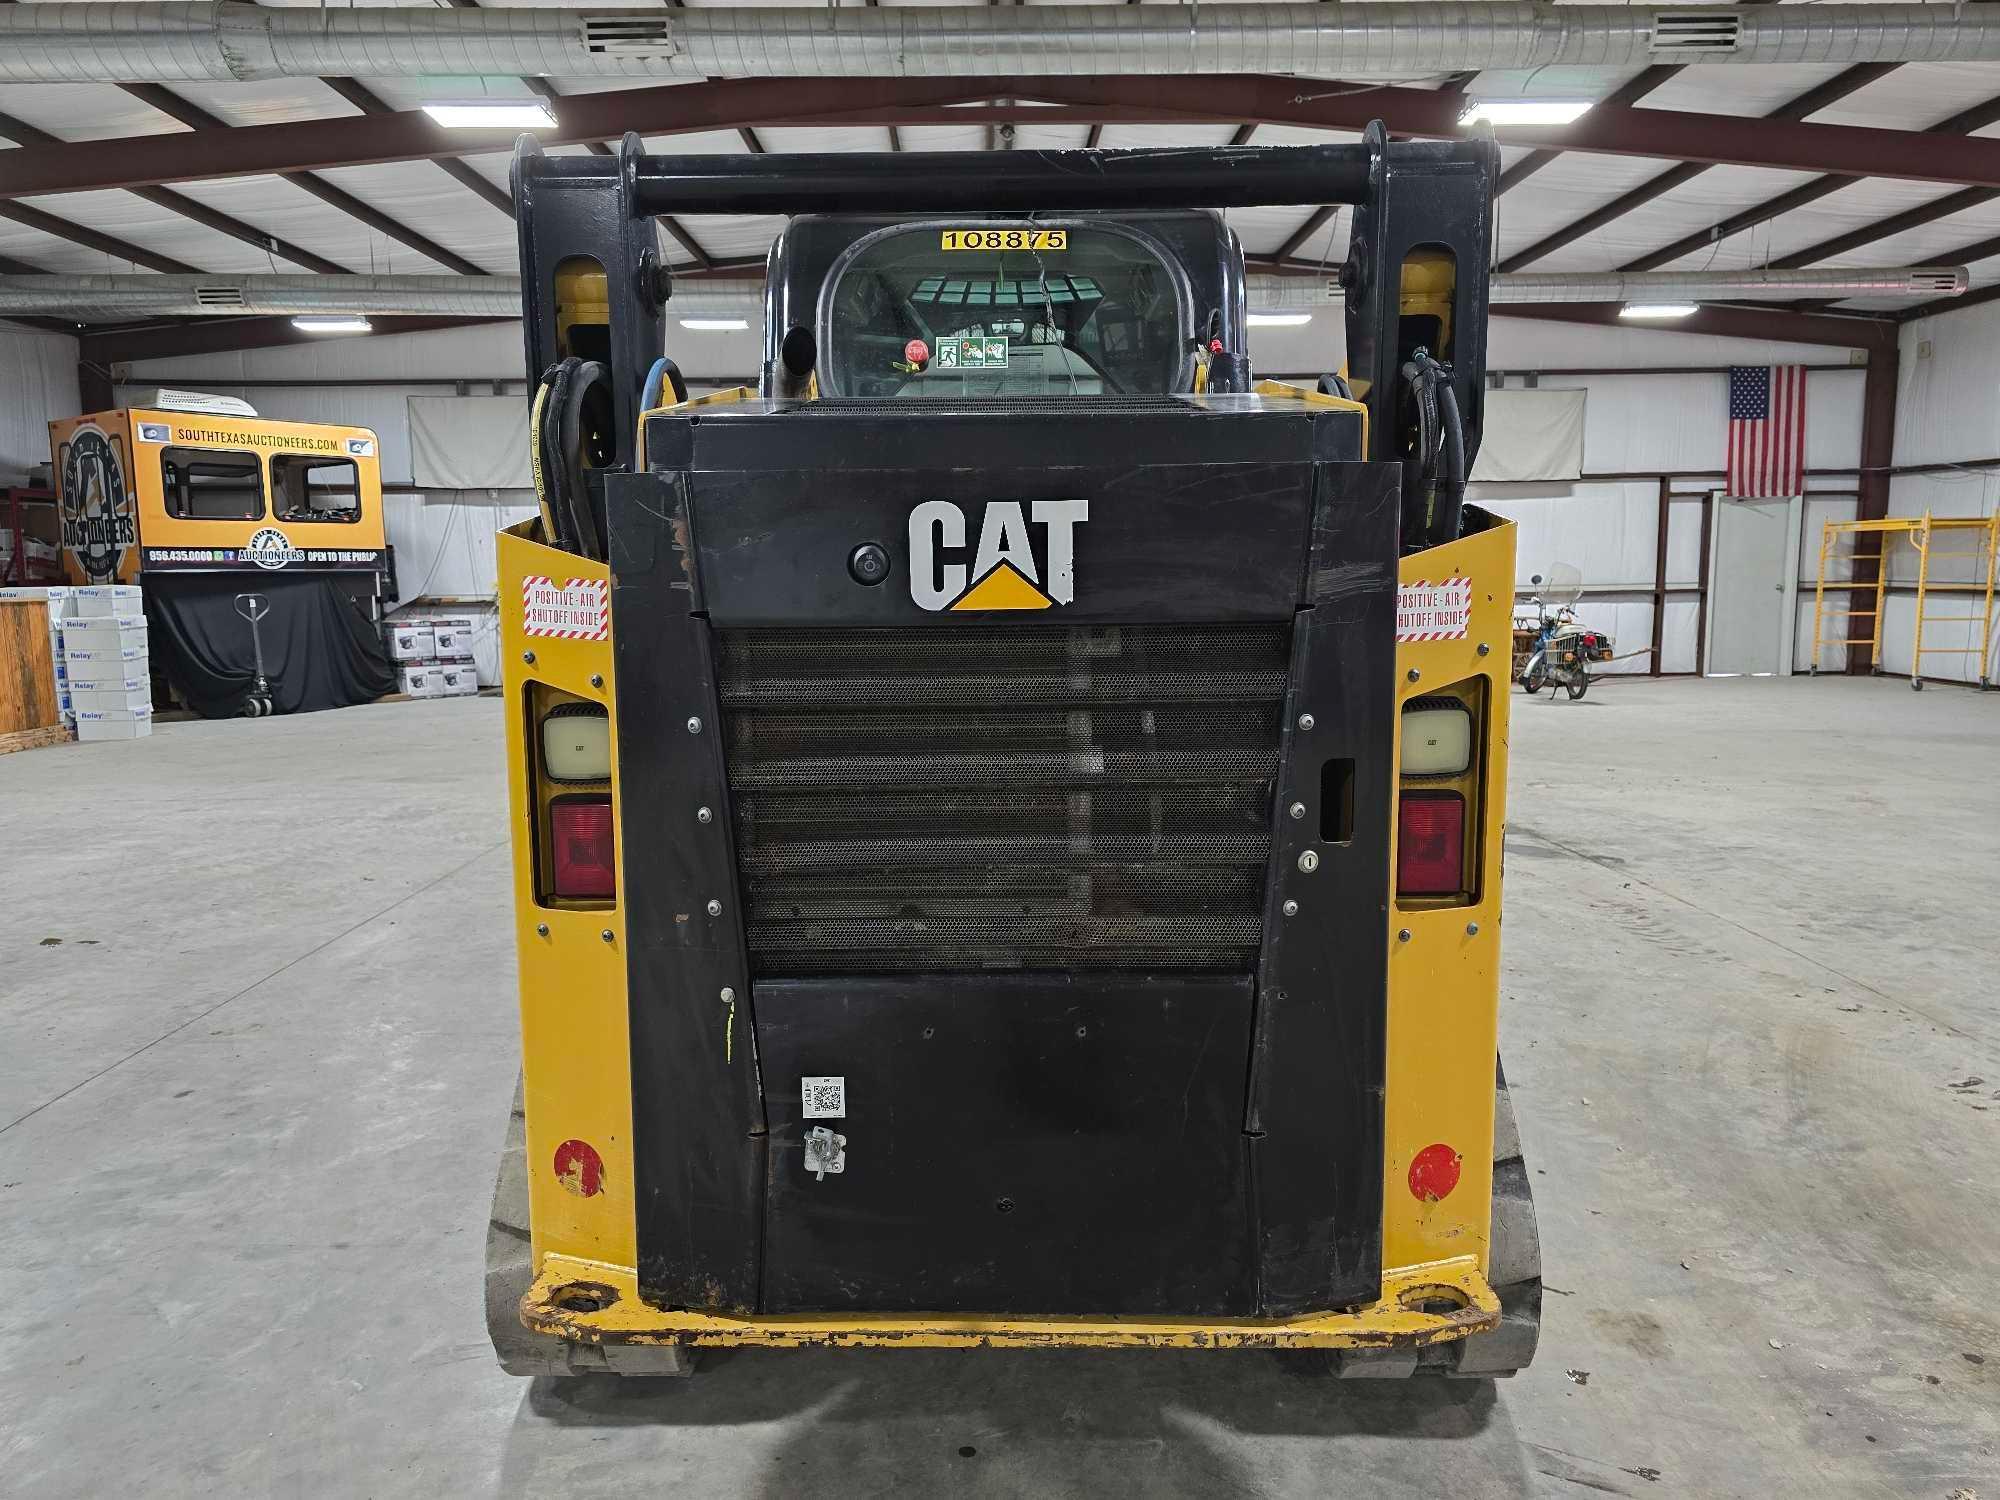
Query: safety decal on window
point(1004, 239)
point(825, 1098)
point(1434, 611)
point(979, 352)
point(577, 609)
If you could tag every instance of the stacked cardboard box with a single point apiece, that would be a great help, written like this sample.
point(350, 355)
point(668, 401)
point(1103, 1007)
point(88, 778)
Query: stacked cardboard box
point(105, 655)
point(433, 656)
point(413, 648)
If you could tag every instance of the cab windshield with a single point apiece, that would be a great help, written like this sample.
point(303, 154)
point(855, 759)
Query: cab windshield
point(1012, 310)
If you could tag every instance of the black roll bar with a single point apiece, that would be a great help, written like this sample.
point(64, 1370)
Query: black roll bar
point(1408, 196)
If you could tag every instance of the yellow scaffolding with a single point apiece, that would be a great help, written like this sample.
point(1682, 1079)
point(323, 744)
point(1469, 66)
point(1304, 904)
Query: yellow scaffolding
point(1929, 535)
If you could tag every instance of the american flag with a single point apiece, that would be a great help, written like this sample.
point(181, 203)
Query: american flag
point(1767, 431)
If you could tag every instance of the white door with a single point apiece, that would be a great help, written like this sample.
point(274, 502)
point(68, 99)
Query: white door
point(1752, 587)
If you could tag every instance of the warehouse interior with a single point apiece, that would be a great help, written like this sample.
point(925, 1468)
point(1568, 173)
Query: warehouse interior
point(269, 960)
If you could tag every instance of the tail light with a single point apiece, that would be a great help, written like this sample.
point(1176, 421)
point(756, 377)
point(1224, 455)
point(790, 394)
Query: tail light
point(583, 863)
point(1430, 844)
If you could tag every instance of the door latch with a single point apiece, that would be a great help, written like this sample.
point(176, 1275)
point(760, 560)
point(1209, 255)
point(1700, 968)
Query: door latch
point(825, 1152)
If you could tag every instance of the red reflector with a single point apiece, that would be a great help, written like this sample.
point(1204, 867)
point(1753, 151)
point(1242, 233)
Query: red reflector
point(1430, 845)
point(1434, 1172)
point(580, 830)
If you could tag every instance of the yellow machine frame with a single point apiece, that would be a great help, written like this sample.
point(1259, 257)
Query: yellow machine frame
point(1442, 1031)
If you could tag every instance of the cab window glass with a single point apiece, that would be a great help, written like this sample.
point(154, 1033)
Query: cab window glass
point(1092, 313)
point(201, 485)
point(306, 488)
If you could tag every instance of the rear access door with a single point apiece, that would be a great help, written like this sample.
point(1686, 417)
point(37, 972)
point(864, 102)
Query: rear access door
point(970, 756)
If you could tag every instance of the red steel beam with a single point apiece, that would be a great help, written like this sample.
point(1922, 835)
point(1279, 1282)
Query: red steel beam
point(1630, 93)
point(732, 104)
point(1962, 123)
point(1810, 102)
point(1878, 456)
point(1829, 329)
point(192, 115)
point(23, 133)
point(117, 343)
point(77, 234)
point(1881, 229)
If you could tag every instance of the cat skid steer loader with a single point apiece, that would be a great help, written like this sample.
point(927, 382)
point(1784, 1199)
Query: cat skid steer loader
point(1007, 814)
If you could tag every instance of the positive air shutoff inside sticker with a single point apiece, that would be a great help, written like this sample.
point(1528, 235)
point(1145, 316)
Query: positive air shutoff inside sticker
point(577, 609)
point(1434, 611)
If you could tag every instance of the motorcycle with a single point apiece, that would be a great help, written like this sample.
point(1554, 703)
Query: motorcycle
point(1556, 651)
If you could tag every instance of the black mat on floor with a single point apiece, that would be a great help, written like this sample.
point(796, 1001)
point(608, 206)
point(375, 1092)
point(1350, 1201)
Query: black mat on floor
point(320, 648)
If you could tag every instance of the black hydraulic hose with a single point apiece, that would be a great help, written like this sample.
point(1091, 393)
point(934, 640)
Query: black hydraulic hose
point(1448, 514)
point(572, 433)
point(1420, 460)
point(586, 441)
point(552, 470)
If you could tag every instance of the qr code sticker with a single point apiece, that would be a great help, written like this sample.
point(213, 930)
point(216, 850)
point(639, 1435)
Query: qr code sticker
point(825, 1098)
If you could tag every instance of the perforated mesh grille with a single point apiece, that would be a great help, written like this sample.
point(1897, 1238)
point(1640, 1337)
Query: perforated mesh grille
point(1003, 797)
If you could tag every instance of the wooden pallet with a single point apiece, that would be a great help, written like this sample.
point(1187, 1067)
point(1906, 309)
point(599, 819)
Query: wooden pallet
point(34, 739)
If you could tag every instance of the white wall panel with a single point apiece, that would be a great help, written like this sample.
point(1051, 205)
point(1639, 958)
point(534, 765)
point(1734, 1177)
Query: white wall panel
point(446, 550)
point(1606, 530)
point(1947, 411)
point(37, 383)
point(1948, 401)
point(1633, 424)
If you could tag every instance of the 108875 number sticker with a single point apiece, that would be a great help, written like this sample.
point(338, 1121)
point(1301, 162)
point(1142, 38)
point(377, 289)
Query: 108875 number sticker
point(1005, 239)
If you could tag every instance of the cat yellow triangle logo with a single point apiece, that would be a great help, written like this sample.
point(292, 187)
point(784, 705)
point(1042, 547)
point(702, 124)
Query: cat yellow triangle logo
point(1003, 588)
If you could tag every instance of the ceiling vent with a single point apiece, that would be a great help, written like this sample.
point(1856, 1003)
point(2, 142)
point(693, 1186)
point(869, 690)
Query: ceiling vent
point(1695, 33)
point(219, 296)
point(1952, 279)
point(629, 34)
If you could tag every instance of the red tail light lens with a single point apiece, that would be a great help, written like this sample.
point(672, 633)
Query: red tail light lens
point(584, 864)
point(1430, 844)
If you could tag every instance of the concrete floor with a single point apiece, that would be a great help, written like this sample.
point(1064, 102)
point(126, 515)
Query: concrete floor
point(257, 1040)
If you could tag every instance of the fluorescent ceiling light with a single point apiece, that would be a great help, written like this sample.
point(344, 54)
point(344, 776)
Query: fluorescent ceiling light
point(331, 323)
point(716, 325)
point(1523, 111)
point(491, 114)
point(1279, 319)
point(1658, 309)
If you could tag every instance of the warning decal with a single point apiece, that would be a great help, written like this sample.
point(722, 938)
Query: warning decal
point(578, 609)
point(1434, 611)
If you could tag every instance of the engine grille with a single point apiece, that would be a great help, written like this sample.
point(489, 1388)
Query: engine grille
point(987, 797)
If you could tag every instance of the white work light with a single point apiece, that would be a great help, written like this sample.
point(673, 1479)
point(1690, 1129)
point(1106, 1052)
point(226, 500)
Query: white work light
point(1437, 740)
point(576, 745)
point(491, 114)
point(1504, 112)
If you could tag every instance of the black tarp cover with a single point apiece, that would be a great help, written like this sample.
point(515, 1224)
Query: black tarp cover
point(320, 648)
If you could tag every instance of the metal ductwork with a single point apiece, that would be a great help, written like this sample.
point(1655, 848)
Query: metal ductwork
point(125, 297)
point(123, 41)
point(1278, 292)
point(119, 298)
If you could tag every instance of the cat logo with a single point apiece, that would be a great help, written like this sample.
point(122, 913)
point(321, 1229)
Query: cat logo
point(1002, 572)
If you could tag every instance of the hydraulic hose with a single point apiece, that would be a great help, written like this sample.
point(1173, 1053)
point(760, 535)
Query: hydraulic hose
point(1448, 511)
